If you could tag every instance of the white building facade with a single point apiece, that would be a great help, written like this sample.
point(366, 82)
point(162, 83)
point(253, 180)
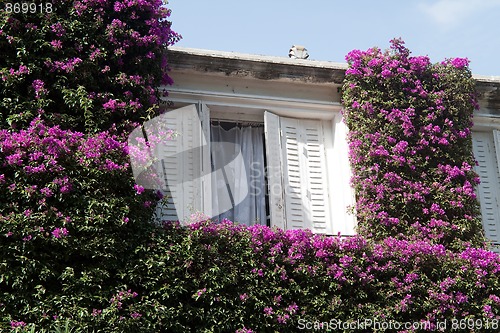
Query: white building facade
point(289, 167)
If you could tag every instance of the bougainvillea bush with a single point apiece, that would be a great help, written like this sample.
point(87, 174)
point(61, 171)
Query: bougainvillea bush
point(231, 278)
point(75, 76)
point(69, 217)
point(83, 64)
point(410, 146)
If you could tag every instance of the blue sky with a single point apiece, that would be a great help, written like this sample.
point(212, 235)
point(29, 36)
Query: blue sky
point(329, 29)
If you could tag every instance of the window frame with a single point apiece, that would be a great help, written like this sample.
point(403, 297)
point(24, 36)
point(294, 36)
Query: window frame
point(243, 108)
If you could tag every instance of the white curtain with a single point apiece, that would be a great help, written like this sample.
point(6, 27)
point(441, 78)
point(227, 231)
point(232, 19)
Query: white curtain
point(238, 183)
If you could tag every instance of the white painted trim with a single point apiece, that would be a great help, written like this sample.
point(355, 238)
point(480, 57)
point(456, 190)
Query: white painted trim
point(344, 195)
point(221, 96)
point(283, 107)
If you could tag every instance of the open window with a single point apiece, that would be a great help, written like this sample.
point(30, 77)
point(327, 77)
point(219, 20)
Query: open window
point(486, 147)
point(238, 172)
point(308, 174)
point(298, 166)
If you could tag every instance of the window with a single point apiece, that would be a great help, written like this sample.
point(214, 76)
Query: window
point(486, 147)
point(238, 172)
point(306, 171)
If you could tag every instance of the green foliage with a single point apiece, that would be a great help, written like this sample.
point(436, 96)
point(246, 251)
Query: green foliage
point(410, 147)
point(84, 64)
point(75, 76)
point(229, 278)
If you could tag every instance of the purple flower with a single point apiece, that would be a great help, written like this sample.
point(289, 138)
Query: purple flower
point(15, 159)
point(488, 312)
point(345, 261)
point(386, 73)
point(410, 278)
point(292, 308)
point(244, 330)
point(56, 44)
point(268, 311)
point(118, 6)
point(60, 232)
point(461, 298)
point(14, 324)
point(400, 147)
point(96, 312)
point(38, 86)
point(67, 66)
point(460, 62)
point(282, 319)
point(95, 54)
point(58, 29)
point(443, 141)
point(47, 192)
point(201, 292)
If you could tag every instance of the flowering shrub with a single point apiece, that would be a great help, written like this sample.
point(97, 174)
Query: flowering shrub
point(69, 216)
point(74, 81)
point(410, 146)
point(231, 278)
point(84, 65)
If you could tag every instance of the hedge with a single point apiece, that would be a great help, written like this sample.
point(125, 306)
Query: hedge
point(230, 278)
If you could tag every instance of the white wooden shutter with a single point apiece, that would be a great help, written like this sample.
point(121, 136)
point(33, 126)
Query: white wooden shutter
point(206, 166)
point(342, 195)
point(184, 161)
point(486, 153)
point(274, 169)
point(169, 168)
point(297, 147)
point(316, 186)
point(297, 210)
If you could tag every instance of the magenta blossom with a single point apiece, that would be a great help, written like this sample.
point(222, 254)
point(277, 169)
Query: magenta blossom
point(60, 232)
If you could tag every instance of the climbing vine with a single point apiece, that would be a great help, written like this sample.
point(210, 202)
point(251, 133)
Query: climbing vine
point(410, 146)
